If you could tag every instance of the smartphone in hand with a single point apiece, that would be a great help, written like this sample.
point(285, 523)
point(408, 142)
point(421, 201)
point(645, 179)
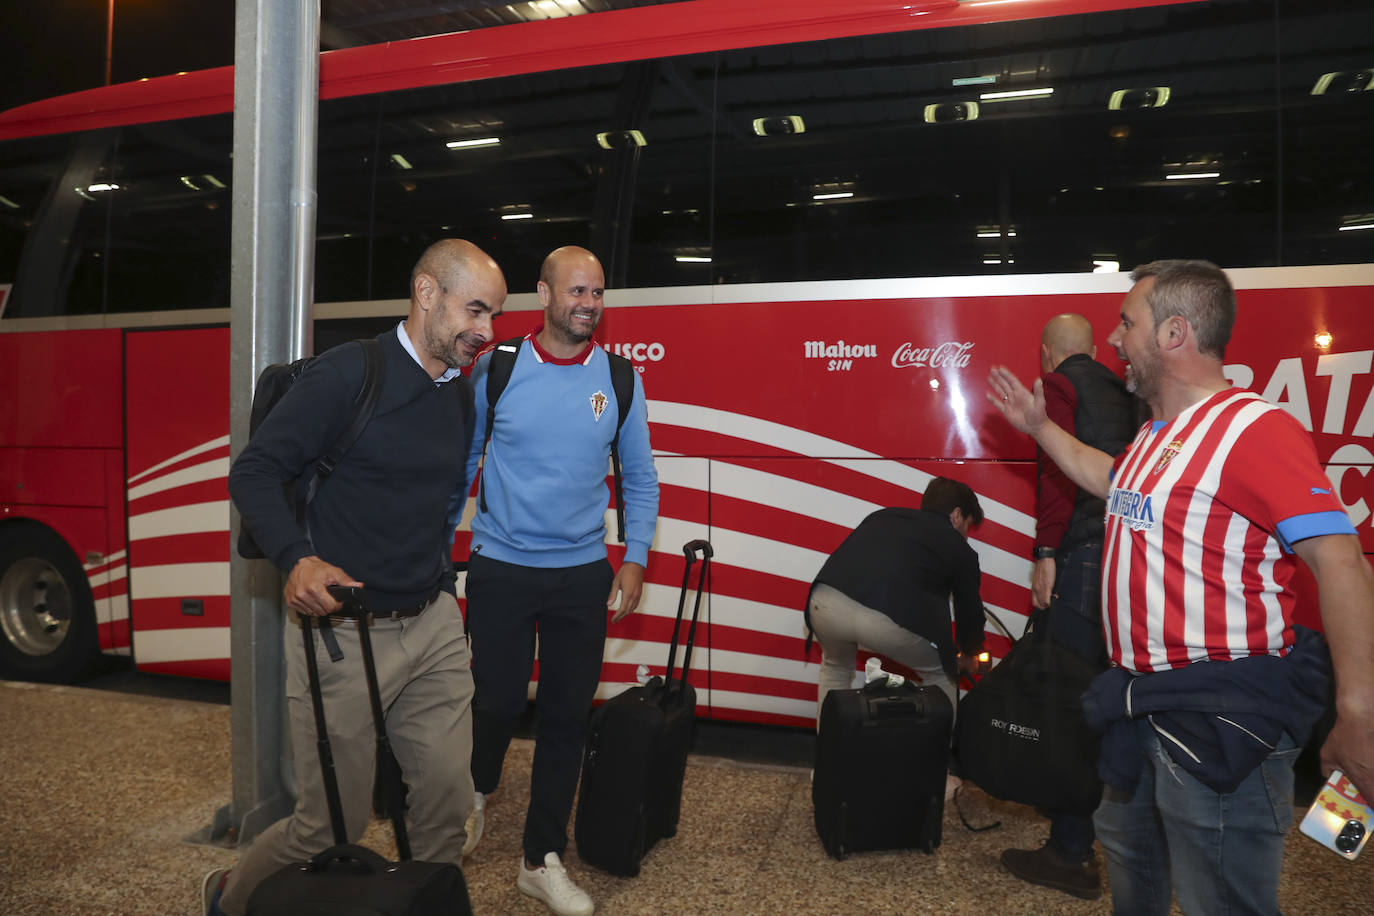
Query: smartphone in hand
point(1340, 818)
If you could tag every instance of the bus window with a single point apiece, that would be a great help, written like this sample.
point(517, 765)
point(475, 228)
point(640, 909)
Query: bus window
point(29, 170)
point(169, 216)
point(1328, 95)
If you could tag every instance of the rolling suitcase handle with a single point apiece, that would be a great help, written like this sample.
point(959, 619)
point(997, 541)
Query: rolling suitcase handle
point(352, 608)
point(690, 550)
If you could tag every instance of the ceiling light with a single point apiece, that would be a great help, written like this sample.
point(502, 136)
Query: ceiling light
point(1148, 97)
point(1351, 223)
point(834, 195)
point(473, 144)
point(994, 232)
point(214, 182)
point(1016, 94)
point(404, 163)
point(103, 186)
point(779, 126)
point(610, 139)
point(186, 180)
point(1184, 176)
point(691, 259)
point(517, 216)
point(1105, 266)
point(9, 203)
point(1344, 81)
point(947, 112)
point(973, 80)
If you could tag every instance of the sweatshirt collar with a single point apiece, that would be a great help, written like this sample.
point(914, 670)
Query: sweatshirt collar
point(544, 356)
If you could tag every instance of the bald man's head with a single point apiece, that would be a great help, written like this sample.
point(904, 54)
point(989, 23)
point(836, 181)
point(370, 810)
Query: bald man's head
point(455, 291)
point(1065, 335)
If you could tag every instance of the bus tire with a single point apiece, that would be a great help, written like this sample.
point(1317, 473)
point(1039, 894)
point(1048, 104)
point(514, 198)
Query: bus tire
point(47, 614)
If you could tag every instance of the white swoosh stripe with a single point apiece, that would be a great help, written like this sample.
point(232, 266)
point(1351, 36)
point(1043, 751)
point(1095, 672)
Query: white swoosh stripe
point(203, 447)
point(179, 580)
point(199, 517)
point(215, 469)
point(842, 454)
point(182, 645)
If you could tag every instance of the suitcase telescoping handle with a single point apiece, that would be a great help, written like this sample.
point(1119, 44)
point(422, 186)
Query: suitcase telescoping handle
point(351, 599)
point(690, 550)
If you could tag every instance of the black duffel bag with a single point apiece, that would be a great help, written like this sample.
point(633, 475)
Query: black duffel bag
point(1021, 735)
point(346, 880)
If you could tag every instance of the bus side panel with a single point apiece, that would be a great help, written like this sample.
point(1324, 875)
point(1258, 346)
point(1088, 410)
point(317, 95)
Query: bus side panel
point(814, 414)
point(1311, 351)
point(178, 462)
point(62, 389)
point(62, 429)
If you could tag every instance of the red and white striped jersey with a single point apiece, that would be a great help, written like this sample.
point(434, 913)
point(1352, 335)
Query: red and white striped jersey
point(1196, 564)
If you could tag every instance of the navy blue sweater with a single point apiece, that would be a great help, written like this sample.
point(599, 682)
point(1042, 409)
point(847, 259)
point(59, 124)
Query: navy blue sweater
point(380, 515)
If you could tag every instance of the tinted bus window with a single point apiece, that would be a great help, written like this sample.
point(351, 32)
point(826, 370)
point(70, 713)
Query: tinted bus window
point(169, 216)
point(27, 173)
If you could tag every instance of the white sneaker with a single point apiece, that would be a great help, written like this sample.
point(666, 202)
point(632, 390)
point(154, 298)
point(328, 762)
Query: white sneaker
point(476, 821)
point(552, 885)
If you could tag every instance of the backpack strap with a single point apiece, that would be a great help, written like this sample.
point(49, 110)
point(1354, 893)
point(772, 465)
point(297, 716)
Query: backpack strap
point(365, 404)
point(499, 368)
point(623, 383)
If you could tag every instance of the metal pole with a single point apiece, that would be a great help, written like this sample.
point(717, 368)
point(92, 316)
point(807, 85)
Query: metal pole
point(276, 99)
point(109, 40)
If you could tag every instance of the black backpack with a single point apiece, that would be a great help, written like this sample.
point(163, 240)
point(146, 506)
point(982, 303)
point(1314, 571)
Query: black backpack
point(622, 382)
point(272, 385)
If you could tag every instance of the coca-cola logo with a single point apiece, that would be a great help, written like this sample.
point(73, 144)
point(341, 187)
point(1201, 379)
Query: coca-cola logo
point(951, 354)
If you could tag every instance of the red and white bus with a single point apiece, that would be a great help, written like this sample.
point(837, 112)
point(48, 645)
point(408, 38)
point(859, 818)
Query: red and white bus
point(822, 223)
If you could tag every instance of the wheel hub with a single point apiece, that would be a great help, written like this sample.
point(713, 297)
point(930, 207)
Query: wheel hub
point(35, 606)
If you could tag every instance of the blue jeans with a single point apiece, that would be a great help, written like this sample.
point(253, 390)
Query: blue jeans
point(1219, 853)
point(1075, 622)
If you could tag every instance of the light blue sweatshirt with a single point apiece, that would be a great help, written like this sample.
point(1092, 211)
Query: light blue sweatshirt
point(548, 459)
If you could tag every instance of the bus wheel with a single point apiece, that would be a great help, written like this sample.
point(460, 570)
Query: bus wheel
point(47, 615)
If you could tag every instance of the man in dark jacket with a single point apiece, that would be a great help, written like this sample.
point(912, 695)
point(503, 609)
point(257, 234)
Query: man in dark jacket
point(887, 588)
point(1089, 401)
point(377, 524)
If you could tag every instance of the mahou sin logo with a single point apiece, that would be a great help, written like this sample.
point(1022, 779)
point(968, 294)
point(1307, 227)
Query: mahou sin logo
point(951, 354)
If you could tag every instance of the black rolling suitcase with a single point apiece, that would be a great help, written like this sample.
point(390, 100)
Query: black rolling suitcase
point(636, 755)
point(351, 879)
point(882, 755)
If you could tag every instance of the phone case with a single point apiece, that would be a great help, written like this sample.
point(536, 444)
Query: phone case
point(1339, 818)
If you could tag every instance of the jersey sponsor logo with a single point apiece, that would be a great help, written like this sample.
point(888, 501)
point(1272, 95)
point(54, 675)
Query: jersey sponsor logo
point(599, 402)
point(1136, 510)
point(638, 352)
point(952, 354)
point(1170, 451)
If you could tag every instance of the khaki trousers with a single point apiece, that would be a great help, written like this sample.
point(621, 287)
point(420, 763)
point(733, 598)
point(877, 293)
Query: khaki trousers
point(424, 674)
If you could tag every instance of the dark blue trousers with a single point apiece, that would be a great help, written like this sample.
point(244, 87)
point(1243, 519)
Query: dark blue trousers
point(508, 606)
point(1075, 621)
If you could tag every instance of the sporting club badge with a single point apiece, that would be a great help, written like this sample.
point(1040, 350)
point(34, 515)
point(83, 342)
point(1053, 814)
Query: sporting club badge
point(599, 401)
point(1170, 450)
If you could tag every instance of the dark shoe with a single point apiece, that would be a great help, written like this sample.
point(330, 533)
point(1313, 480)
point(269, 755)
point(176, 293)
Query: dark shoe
point(1044, 866)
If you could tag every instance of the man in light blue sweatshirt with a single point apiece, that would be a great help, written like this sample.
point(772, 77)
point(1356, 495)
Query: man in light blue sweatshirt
point(538, 564)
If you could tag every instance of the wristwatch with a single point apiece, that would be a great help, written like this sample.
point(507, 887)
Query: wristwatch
point(1045, 553)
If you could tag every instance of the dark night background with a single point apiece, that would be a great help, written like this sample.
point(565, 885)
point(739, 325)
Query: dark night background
point(50, 47)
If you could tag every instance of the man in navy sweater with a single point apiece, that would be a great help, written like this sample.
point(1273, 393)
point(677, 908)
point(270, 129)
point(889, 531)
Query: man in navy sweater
point(538, 563)
point(378, 524)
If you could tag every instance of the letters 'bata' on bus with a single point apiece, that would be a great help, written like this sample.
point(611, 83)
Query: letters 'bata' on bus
point(820, 230)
